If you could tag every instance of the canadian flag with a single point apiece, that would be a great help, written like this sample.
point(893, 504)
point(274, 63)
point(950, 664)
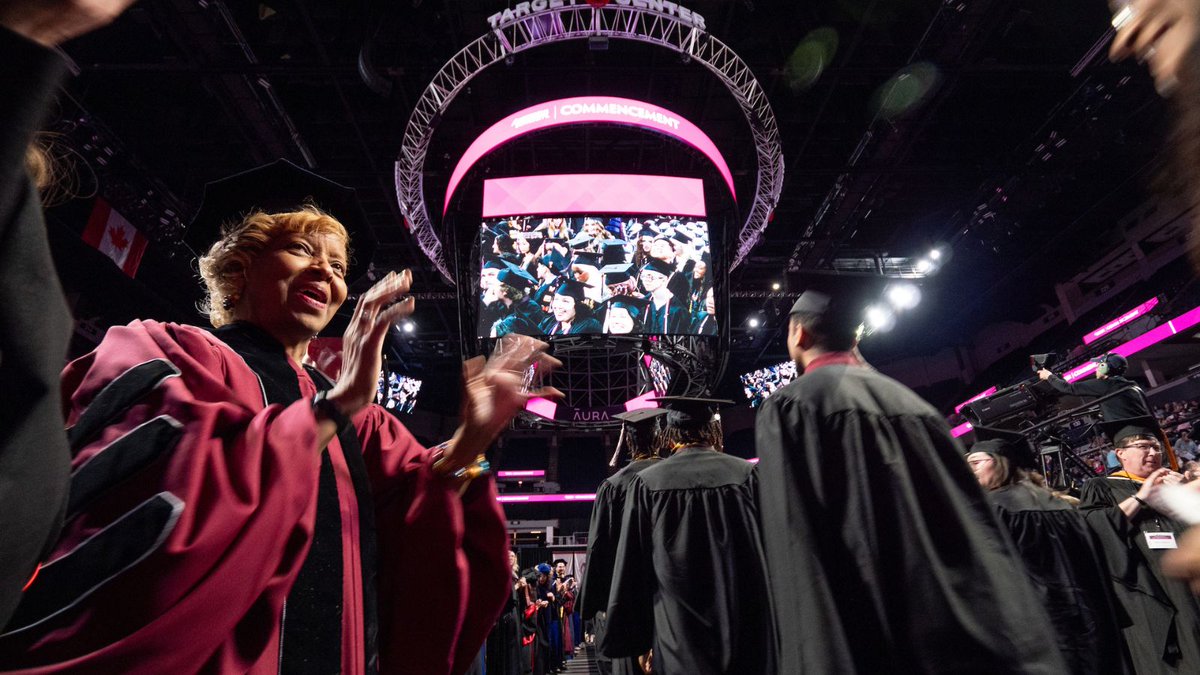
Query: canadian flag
point(108, 232)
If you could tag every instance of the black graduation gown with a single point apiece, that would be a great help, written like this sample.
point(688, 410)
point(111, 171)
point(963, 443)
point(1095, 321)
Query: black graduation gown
point(603, 535)
point(1165, 633)
point(35, 462)
point(582, 326)
point(503, 646)
point(690, 579)
point(670, 319)
point(704, 324)
point(523, 318)
point(1068, 572)
point(883, 552)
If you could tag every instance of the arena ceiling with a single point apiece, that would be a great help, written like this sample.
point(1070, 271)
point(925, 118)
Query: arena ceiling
point(994, 128)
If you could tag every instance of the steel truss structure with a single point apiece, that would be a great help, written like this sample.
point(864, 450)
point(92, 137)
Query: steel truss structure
point(576, 22)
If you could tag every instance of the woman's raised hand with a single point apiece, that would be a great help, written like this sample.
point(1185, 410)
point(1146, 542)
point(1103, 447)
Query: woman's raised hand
point(495, 392)
point(362, 345)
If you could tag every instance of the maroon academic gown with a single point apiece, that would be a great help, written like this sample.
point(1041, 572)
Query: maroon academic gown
point(192, 512)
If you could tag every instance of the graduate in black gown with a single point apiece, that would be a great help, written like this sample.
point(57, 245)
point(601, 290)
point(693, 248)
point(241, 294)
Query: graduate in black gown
point(522, 315)
point(666, 313)
point(884, 555)
point(1060, 553)
point(689, 579)
point(640, 434)
point(1165, 633)
point(570, 313)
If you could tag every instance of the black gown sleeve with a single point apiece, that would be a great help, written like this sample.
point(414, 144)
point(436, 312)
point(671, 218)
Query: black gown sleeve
point(1092, 388)
point(631, 601)
point(34, 330)
point(603, 534)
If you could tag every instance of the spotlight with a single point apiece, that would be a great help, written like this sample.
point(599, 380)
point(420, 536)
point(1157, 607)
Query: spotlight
point(409, 326)
point(880, 319)
point(776, 286)
point(753, 322)
point(924, 266)
point(935, 254)
point(904, 296)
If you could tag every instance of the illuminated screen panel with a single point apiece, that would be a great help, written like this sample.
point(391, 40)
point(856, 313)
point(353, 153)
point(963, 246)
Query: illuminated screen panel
point(595, 193)
point(588, 110)
point(660, 375)
point(595, 274)
point(1120, 321)
point(397, 393)
point(760, 384)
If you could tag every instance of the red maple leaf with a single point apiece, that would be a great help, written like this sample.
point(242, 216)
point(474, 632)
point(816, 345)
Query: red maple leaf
point(117, 236)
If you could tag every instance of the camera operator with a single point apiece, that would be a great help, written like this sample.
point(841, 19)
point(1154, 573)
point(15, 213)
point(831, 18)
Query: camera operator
point(1110, 378)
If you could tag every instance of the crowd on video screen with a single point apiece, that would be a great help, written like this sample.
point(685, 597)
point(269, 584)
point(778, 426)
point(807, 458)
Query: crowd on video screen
point(591, 275)
point(760, 384)
point(397, 393)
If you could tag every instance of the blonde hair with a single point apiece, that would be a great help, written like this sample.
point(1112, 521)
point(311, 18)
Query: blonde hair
point(223, 268)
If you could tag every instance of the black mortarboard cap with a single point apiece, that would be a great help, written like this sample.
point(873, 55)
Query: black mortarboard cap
point(556, 261)
point(277, 187)
point(581, 240)
point(656, 265)
point(642, 418)
point(492, 262)
point(613, 252)
point(690, 410)
point(841, 298)
point(515, 276)
point(682, 237)
point(634, 305)
point(586, 258)
point(615, 274)
point(1012, 445)
point(571, 288)
point(535, 244)
point(1119, 430)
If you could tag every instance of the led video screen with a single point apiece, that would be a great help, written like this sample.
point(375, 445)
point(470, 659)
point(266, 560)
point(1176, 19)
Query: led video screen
point(397, 393)
point(597, 274)
point(760, 384)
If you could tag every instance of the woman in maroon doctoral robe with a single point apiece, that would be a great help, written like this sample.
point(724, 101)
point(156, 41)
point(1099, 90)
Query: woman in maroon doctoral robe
point(232, 510)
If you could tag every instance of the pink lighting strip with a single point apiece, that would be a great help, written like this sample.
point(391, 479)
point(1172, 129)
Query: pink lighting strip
point(976, 397)
point(591, 193)
point(1148, 339)
point(1120, 321)
point(961, 429)
point(539, 498)
point(532, 473)
point(588, 110)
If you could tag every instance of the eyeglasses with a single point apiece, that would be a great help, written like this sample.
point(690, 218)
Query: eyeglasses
point(1144, 447)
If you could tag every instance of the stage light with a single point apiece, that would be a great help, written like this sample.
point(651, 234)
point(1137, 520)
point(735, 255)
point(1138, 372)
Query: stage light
point(776, 286)
point(924, 266)
point(880, 319)
point(935, 254)
point(904, 296)
point(753, 322)
point(409, 326)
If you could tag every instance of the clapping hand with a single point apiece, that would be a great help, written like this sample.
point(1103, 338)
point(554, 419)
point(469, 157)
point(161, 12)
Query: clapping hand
point(1163, 33)
point(494, 393)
